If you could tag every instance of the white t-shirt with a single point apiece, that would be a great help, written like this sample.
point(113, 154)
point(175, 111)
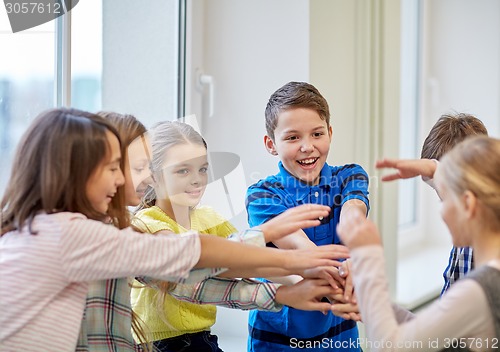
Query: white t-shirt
point(463, 312)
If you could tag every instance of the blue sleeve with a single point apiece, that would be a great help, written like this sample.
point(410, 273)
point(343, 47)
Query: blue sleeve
point(264, 203)
point(354, 183)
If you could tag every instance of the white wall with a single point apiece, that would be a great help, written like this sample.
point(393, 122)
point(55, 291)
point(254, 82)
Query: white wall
point(140, 58)
point(462, 73)
point(251, 48)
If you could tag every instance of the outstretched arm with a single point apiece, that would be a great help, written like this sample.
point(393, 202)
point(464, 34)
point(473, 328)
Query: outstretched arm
point(219, 252)
point(288, 233)
point(352, 205)
point(230, 293)
point(250, 294)
point(292, 220)
point(407, 168)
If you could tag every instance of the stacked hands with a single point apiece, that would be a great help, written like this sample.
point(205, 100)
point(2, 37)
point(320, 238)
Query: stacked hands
point(323, 274)
point(355, 230)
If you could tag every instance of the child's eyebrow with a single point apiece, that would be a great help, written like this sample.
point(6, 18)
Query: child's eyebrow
point(289, 131)
point(179, 165)
point(185, 164)
point(296, 131)
point(319, 128)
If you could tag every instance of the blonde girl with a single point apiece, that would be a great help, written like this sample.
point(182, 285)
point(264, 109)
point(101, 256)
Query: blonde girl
point(467, 317)
point(180, 165)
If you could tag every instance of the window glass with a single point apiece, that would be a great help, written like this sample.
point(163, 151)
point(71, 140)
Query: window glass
point(86, 55)
point(409, 107)
point(26, 83)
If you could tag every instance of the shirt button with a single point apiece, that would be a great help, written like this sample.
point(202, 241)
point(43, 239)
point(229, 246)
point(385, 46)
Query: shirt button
point(320, 218)
point(316, 194)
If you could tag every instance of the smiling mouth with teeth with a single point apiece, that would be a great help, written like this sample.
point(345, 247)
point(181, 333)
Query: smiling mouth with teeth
point(306, 162)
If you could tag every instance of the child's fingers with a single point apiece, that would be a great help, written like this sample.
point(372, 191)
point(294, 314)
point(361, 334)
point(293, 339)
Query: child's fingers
point(337, 297)
point(348, 289)
point(355, 316)
point(341, 308)
point(391, 177)
point(323, 307)
point(386, 163)
point(337, 251)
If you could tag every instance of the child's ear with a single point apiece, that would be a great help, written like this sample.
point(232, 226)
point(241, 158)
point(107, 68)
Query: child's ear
point(470, 203)
point(330, 131)
point(268, 142)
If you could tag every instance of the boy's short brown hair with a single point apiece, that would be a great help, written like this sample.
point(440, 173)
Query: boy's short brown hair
point(294, 95)
point(448, 131)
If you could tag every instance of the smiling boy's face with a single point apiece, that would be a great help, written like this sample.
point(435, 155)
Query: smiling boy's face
point(302, 141)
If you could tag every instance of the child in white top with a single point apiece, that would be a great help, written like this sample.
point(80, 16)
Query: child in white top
point(467, 315)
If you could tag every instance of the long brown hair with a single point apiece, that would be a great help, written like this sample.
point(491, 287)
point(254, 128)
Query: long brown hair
point(53, 162)
point(129, 128)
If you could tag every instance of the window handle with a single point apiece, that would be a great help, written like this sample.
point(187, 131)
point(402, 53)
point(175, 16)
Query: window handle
point(208, 80)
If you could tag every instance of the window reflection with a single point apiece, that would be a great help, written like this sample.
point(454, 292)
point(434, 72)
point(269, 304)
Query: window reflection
point(86, 55)
point(26, 83)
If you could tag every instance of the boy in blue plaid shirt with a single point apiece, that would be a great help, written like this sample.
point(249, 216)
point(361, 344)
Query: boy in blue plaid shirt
point(448, 131)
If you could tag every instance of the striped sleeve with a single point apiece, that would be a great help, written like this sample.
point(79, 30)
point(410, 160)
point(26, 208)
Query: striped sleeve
point(91, 250)
point(252, 236)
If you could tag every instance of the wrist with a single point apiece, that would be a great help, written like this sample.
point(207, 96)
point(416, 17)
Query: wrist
point(267, 232)
point(281, 294)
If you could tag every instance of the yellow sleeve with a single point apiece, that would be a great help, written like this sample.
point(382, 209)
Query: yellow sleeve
point(152, 221)
point(210, 222)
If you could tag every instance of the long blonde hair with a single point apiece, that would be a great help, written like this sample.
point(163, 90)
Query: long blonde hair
point(165, 135)
point(474, 165)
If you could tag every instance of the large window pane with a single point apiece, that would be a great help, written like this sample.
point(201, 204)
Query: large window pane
point(86, 55)
point(140, 58)
point(26, 83)
point(408, 131)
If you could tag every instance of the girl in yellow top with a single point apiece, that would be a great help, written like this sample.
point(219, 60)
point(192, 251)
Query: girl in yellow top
point(179, 164)
point(183, 176)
